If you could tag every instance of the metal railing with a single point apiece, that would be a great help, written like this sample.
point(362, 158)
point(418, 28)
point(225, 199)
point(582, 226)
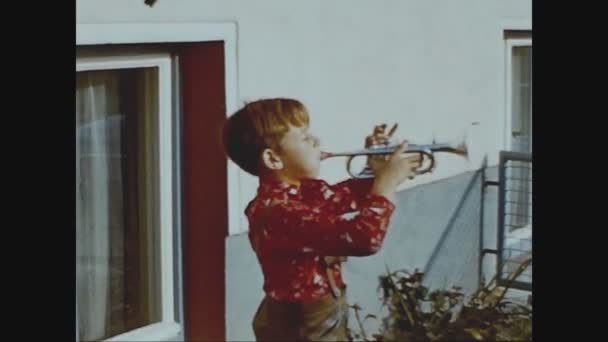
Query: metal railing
point(514, 218)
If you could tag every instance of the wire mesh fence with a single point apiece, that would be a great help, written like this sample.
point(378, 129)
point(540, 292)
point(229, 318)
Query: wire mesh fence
point(515, 218)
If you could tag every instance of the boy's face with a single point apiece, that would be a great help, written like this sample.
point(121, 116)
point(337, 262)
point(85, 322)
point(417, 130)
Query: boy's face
point(300, 154)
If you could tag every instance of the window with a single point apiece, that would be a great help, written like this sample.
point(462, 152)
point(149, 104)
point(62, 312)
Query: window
point(518, 87)
point(521, 98)
point(124, 199)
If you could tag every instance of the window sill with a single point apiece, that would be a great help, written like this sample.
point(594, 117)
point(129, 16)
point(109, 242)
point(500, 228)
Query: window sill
point(163, 331)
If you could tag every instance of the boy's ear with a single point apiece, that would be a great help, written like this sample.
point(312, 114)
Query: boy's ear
point(271, 160)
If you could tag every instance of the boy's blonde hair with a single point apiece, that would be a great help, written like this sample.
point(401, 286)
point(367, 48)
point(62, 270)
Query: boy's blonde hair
point(260, 125)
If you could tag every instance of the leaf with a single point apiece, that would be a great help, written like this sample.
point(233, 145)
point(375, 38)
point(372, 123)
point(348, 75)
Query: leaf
point(476, 333)
point(421, 292)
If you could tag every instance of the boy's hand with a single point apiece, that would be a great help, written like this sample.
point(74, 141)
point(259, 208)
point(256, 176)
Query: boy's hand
point(395, 171)
point(379, 138)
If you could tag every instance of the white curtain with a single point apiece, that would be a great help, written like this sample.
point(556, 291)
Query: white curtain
point(98, 197)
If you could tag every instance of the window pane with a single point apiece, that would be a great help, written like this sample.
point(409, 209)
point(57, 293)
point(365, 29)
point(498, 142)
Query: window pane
point(117, 269)
point(522, 98)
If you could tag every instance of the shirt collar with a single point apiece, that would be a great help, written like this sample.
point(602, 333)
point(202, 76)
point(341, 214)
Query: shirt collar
point(272, 185)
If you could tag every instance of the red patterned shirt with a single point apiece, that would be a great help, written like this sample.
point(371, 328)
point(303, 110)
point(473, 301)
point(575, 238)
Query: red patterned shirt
point(292, 229)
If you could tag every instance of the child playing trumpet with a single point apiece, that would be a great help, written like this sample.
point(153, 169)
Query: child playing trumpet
point(301, 227)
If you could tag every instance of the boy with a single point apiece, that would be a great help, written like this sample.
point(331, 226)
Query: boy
point(302, 227)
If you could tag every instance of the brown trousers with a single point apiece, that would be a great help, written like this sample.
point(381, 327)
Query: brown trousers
point(325, 319)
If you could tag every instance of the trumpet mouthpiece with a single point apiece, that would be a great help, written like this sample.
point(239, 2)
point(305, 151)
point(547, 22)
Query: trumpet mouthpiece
point(325, 155)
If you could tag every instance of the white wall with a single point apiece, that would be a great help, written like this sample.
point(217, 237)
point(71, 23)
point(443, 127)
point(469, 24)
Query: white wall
point(431, 66)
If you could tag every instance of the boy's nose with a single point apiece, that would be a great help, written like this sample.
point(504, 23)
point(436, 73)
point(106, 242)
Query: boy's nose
point(317, 141)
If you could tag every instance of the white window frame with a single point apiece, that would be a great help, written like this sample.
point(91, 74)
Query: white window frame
point(164, 32)
point(510, 43)
point(168, 327)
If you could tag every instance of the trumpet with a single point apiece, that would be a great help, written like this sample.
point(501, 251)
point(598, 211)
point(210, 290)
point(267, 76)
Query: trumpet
point(426, 151)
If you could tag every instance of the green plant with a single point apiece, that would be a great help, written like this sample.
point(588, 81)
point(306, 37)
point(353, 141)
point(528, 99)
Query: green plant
point(417, 314)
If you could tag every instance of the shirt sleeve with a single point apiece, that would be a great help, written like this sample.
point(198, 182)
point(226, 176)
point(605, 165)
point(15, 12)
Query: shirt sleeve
point(359, 187)
point(294, 226)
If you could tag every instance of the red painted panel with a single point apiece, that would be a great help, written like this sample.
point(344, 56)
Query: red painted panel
point(205, 191)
